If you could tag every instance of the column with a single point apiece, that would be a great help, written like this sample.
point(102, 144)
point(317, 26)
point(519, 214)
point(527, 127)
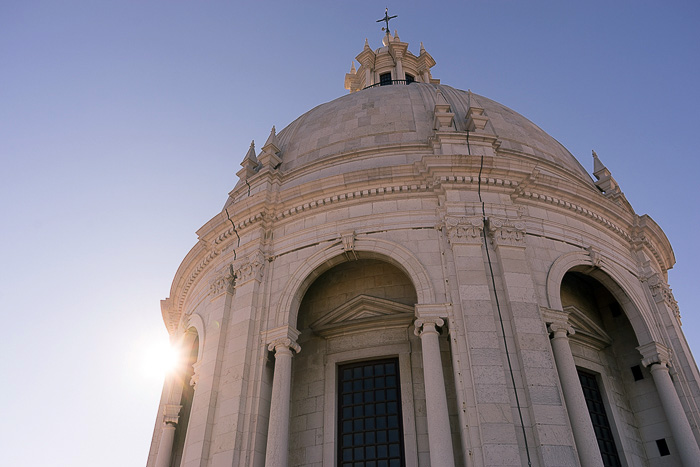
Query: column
point(399, 69)
point(171, 413)
point(439, 434)
point(278, 431)
point(580, 418)
point(656, 357)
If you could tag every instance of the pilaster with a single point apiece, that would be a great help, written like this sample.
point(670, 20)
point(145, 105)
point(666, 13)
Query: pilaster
point(495, 443)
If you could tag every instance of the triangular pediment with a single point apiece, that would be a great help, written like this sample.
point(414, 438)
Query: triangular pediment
point(587, 331)
point(363, 313)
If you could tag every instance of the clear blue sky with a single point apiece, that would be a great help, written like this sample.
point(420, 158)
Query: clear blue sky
point(122, 125)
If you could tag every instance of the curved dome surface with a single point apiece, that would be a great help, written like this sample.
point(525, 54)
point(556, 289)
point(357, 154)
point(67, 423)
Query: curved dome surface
point(397, 115)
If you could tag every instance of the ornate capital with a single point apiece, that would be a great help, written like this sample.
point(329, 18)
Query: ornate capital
point(559, 327)
point(283, 337)
point(284, 343)
point(461, 229)
point(250, 268)
point(663, 294)
point(655, 353)
point(225, 281)
point(506, 232)
point(171, 414)
point(557, 321)
point(428, 323)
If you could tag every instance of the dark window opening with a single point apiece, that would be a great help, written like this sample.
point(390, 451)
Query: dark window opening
point(601, 425)
point(637, 372)
point(385, 79)
point(663, 447)
point(370, 428)
point(410, 78)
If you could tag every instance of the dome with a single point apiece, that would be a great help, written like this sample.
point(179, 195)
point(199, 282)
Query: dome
point(421, 244)
point(387, 116)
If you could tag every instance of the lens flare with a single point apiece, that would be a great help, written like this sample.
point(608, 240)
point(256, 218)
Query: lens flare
point(159, 360)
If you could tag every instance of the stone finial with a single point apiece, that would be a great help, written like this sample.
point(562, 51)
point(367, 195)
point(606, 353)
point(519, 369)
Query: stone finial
point(366, 44)
point(476, 120)
point(396, 36)
point(444, 117)
point(353, 70)
point(269, 157)
point(606, 183)
point(249, 163)
point(422, 49)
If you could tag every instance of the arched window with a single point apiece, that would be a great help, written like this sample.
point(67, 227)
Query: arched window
point(184, 384)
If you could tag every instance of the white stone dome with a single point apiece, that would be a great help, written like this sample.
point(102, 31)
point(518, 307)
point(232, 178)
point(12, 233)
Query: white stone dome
point(387, 116)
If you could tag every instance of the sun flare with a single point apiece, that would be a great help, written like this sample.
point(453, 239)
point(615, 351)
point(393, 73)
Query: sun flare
point(158, 360)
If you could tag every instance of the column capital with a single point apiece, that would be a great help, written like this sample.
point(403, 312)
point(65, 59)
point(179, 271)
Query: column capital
point(557, 321)
point(559, 327)
point(506, 232)
point(280, 338)
point(171, 414)
point(463, 229)
point(284, 343)
point(655, 353)
point(428, 324)
point(662, 293)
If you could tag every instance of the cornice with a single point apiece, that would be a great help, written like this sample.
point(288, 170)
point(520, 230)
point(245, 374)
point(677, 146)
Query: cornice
point(523, 186)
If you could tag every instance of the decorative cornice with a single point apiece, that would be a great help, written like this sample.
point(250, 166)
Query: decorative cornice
point(225, 236)
point(350, 195)
point(506, 232)
point(577, 209)
point(462, 229)
point(586, 330)
point(655, 353)
point(363, 313)
point(171, 414)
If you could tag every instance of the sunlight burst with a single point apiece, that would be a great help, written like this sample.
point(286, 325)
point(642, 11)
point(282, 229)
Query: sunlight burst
point(159, 359)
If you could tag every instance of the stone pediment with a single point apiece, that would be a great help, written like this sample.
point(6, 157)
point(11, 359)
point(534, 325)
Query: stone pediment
point(363, 313)
point(587, 331)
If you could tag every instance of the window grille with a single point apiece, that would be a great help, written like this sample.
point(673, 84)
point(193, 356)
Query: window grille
point(601, 425)
point(370, 431)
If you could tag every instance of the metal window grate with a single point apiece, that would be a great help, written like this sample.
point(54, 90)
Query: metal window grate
point(601, 425)
point(370, 431)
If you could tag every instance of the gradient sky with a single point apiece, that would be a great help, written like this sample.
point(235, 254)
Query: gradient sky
point(123, 123)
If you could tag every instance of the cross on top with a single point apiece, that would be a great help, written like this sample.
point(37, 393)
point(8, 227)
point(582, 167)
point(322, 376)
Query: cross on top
point(386, 20)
